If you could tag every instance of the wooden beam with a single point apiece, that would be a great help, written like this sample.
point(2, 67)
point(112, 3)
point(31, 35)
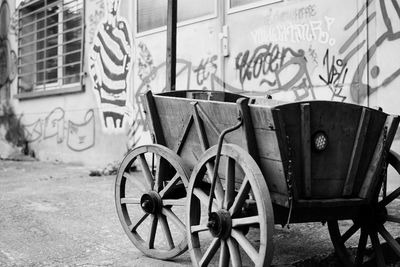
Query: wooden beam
point(356, 153)
point(249, 137)
point(171, 44)
point(306, 147)
point(372, 178)
point(154, 119)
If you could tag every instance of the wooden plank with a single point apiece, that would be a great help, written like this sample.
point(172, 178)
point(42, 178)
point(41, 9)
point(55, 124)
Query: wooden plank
point(262, 117)
point(356, 153)
point(306, 147)
point(183, 135)
point(372, 177)
point(282, 138)
point(154, 119)
point(267, 143)
point(332, 202)
point(205, 118)
point(249, 138)
point(274, 175)
point(327, 188)
point(172, 17)
point(200, 128)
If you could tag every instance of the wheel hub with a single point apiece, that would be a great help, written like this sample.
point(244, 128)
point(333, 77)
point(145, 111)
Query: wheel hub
point(220, 224)
point(373, 215)
point(151, 202)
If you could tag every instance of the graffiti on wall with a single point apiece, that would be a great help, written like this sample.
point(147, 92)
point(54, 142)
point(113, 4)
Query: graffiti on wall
point(264, 60)
point(8, 58)
point(109, 66)
point(94, 15)
point(335, 77)
point(78, 136)
point(313, 30)
point(364, 83)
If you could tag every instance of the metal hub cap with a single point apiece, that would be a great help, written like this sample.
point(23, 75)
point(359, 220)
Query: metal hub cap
point(220, 224)
point(151, 202)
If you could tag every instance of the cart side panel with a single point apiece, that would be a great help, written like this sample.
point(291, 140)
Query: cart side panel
point(190, 126)
point(324, 174)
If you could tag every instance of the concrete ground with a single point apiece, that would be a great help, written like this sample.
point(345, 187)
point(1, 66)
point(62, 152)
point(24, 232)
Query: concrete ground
point(57, 215)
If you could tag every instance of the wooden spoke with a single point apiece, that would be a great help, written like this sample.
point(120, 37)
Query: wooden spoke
point(198, 228)
point(241, 196)
point(392, 218)
point(219, 191)
point(245, 221)
point(133, 227)
point(224, 254)
point(174, 202)
point(245, 244)
point(235, 246)
point(349, 233)
point(210, 252)
point(130, 200)
point(203, 197)
point(380, 261)
point(146, 171)
point(391, 241)
point(234, 253)
point(139, 184)
point(153, 229)
point(392, 196)
point(167, 231)
point(362, 243)
point(163, 171)
point(170, 185)
point(230, 183)
point(173, 218)
point(158, 175)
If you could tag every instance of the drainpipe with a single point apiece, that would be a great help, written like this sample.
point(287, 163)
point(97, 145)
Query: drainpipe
point(171, 45)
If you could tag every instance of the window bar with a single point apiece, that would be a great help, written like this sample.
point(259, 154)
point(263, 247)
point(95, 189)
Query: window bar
point(50, 36)
point(45, 45)
point(48, 58)
point(60, 60)
point(83, 41)
point(50, 47)
point(80, 74)
point(44, 8)
point(34, 22)
point(52, 68)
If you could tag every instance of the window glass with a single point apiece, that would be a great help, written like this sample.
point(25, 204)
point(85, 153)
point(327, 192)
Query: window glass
point(50, 44)
point(238, 3)
point(152, 14)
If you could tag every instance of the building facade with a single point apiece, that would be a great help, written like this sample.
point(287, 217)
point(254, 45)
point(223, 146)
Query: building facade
point(73, 70)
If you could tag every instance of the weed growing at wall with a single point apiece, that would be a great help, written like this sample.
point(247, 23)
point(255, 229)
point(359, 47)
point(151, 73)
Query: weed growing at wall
point(14, 129)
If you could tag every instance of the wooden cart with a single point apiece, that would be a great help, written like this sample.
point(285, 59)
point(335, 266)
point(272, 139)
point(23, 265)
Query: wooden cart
point(225, 168)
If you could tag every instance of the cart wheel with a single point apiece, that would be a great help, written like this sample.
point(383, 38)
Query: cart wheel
point(375, 233)
point(151, 203)
point(241, 201)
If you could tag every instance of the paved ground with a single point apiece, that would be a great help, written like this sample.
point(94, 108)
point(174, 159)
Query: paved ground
point(58, 215)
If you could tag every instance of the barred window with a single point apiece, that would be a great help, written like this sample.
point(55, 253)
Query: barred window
point(50, 44)
point(152, 14)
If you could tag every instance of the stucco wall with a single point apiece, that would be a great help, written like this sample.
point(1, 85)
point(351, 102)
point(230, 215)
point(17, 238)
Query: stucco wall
point(294, 50)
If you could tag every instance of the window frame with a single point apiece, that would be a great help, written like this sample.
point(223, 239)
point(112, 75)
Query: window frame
point(179, 24)
point(55, 88)
point(259, 3)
